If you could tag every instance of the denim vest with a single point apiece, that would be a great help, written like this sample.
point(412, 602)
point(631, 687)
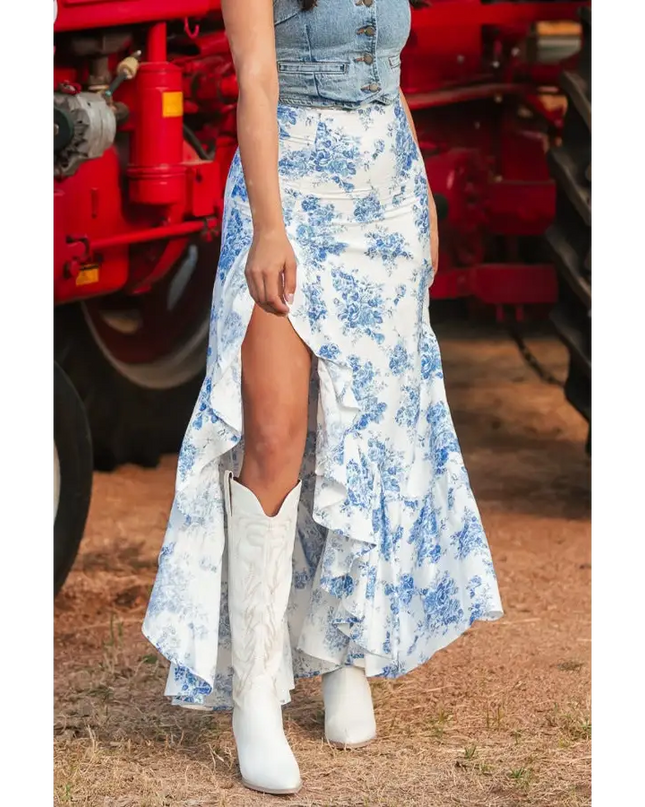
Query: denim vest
point(341, 53)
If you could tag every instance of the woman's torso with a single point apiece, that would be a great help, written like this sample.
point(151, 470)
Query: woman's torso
point(341, 53)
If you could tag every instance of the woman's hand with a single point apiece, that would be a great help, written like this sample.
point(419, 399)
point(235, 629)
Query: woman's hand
point(271, 271)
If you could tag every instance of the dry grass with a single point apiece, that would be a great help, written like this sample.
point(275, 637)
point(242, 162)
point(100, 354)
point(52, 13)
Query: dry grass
point(501, 718)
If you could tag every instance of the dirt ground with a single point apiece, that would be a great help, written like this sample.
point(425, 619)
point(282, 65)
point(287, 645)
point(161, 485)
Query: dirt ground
point(501, 718)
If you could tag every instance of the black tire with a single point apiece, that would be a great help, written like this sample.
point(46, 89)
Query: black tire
point(73, 475)
point(131, 422)
point(569, 237)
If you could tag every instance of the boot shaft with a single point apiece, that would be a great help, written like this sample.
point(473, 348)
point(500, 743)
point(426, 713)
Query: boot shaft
point(260, 550)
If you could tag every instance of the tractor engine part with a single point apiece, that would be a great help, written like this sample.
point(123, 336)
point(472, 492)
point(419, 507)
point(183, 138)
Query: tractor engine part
point(126, 71)
point(156, 170)
point(84, 128)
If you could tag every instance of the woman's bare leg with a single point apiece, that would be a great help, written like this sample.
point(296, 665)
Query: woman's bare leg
point(276, 366)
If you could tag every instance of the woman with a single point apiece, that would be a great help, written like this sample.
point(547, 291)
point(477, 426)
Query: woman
point(323, 523)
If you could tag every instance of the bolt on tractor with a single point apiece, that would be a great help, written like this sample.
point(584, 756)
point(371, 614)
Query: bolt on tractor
point(144, 133)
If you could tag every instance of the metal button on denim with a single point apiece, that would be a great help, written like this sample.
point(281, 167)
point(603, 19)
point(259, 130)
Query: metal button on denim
point(370, 30)
point(368, 58)
point(373, 87)
point(368, 3)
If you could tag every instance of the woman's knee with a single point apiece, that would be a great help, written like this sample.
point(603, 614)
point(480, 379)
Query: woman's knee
point(275, 446)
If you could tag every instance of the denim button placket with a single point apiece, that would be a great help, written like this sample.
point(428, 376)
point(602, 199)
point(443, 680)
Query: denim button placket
point(369, 30)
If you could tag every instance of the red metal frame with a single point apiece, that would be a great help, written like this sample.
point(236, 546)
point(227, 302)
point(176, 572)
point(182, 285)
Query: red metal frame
point(479, 109)
point(474, 13)
point(84, 15)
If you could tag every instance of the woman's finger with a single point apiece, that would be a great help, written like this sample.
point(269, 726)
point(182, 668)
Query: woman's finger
point(256, 286)
point(289, 280)
point(272, 294)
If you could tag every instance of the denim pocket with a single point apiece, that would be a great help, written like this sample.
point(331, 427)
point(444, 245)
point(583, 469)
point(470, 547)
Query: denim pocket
point(313, 68)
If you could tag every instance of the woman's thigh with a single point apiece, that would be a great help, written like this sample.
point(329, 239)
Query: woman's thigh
point(276, 368)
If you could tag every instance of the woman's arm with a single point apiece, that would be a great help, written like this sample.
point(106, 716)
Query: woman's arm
point(271, 266)
point(434, 230)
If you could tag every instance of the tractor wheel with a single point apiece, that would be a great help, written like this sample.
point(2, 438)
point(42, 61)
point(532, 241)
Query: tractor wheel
point(138, 361)
point(569, 237)
point(72, 474)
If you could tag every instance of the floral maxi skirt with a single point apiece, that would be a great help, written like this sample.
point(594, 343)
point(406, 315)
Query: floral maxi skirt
point(391, 562)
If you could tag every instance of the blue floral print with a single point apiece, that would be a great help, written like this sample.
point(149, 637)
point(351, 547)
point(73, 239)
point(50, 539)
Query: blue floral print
point(391, 562)
point(360, 305)
point(389, 247)
point(368, 209)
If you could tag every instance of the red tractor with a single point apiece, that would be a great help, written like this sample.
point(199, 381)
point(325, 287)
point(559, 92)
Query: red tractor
point(144, 132)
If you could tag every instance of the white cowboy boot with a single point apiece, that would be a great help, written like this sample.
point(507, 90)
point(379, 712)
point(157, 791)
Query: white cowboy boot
point(349, 711)
point(260, 552)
